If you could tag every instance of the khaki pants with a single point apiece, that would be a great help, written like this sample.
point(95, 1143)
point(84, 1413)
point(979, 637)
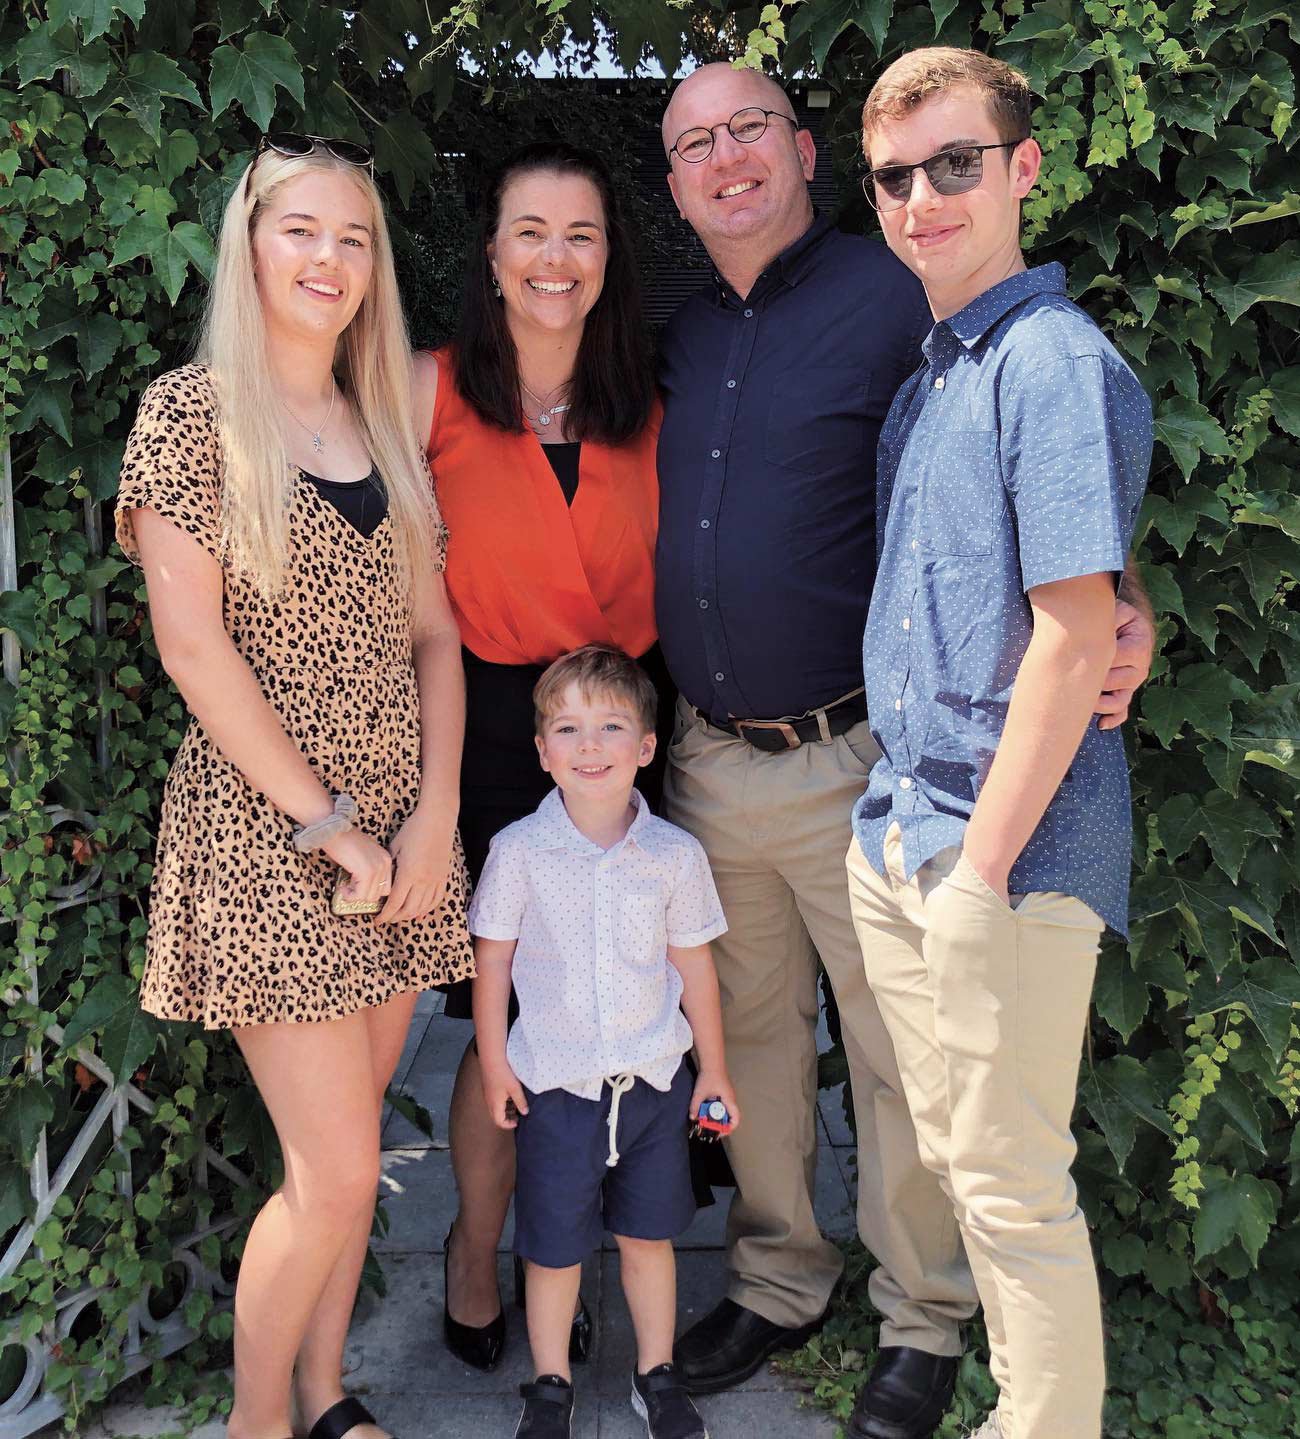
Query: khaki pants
point(775, 827)
point(987, 1006)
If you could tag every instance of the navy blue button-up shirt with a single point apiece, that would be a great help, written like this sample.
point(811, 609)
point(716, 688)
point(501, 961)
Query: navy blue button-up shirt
point(1017, 455)
point(772, 409)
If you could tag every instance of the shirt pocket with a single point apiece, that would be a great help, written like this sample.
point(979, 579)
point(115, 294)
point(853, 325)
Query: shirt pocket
point(961, 491)
point(821, 417)
point(645, 931)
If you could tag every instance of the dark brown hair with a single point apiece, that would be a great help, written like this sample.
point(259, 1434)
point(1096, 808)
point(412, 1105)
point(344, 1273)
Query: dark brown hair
point(596, 670)
point(920, 75)
point(613, 382)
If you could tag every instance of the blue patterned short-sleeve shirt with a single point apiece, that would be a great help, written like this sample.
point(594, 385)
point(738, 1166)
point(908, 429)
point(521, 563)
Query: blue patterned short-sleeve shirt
point(1015, 456)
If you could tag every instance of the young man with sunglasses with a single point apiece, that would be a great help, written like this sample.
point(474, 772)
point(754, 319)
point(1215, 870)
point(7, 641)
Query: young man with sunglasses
point(776, 380)
point(991, 848)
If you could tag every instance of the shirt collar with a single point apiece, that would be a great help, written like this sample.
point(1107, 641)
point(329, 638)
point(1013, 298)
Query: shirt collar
point(972, 323)
point(789, 267)
point(555, 830)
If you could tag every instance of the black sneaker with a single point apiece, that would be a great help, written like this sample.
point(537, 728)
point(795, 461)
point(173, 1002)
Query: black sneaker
point(666, 1407)
point(548, 1409)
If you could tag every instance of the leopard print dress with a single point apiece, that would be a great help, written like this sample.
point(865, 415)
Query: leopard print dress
point(240, 928)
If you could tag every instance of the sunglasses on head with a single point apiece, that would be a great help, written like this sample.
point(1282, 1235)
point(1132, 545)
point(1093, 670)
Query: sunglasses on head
point(950, 172)
point(294, 147)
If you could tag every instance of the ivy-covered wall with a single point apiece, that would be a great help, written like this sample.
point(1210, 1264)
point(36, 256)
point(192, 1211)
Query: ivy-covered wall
point(1171, 191)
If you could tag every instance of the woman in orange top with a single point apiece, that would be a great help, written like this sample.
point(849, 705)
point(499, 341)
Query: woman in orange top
point(543, 422)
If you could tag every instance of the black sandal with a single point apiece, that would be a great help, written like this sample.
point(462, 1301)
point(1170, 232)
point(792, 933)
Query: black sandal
point(339, 1418)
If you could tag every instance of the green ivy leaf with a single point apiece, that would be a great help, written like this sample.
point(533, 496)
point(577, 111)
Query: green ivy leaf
point(1201, 696)
point(1188, 431)
point(1177, 521)
point(1264, 557)
point(238, 15)
point(43, 52)
point(1272, 276)
point(1268, 991)
point(94, 16)
point(170, 250)
point(140, 89)
point(25, 1109)
point(18, 615)
point(404, 150)
point(128, 1034)
point(252, 75)
point(1234, 1100)
point(1234, 1207)
point(941, 10)
point(1228, 825)
point(1285, 385)
point(15, 1196)
point(50, 403)
point(1279, 210)
point(248, 1129)
point(1120, 1094)
point(872, 18)
point(1120, 996)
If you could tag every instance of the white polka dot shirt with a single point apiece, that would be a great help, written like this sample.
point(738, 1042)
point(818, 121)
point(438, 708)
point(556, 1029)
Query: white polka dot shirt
point(597, 993)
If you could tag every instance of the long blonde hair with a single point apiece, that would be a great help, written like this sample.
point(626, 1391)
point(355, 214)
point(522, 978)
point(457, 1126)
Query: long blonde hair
point(372, 364)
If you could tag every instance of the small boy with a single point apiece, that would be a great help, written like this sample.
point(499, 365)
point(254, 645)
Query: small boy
point(601, 916)
point(992, 846)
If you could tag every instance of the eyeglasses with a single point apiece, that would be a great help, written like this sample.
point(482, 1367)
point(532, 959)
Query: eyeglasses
point(294, 147)
point(950, 172)
point(746, 126)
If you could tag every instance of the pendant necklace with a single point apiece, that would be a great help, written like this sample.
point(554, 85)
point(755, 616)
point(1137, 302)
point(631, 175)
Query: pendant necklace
point(317, 443)
point(546, 413)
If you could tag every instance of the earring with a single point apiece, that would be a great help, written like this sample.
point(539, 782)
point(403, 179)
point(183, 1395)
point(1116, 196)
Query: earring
point(496, 287)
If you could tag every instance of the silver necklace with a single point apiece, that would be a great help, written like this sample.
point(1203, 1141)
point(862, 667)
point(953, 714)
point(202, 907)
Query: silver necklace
point(317, 443)
point(546, 413)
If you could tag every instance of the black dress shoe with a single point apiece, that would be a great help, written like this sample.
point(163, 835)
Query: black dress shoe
point(730, 1343)
point(478, 1346)
point(907, 1395)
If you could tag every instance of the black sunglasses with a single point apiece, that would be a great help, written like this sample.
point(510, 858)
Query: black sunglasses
point(950, 172)
point(294, 147)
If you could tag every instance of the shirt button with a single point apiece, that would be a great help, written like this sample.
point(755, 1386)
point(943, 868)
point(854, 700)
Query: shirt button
point(719, 677)
point(715, 453)
point(913, 544)
point(749, 314)
point(898, 704)
point(731, 384)
point(704, 524)
point(704, 604)
point(938, 384)
point(907, 624)
point(905, 783)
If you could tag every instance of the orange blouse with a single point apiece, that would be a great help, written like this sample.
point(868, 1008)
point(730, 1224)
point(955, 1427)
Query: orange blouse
point(529, 576)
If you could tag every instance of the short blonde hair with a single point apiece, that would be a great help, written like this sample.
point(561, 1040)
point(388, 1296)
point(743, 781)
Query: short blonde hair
point(596, 670)
point(920, 75)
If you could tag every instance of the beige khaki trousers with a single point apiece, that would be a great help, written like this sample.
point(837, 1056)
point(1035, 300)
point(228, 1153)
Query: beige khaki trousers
point(987, 1005)
point(775, 827)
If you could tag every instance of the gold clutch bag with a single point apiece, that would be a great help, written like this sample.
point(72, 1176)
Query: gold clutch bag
point(340, 904)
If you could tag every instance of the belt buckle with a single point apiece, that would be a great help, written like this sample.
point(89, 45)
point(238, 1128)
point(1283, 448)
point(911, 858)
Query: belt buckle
point(783, 727)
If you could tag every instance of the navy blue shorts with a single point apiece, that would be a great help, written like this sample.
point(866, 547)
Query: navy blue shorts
point(566, 1196)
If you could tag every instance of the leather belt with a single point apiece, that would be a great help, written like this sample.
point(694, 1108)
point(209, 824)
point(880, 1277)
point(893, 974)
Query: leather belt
point(821, 724)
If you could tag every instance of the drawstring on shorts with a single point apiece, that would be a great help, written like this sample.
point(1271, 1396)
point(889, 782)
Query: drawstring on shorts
point(619, 1084)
